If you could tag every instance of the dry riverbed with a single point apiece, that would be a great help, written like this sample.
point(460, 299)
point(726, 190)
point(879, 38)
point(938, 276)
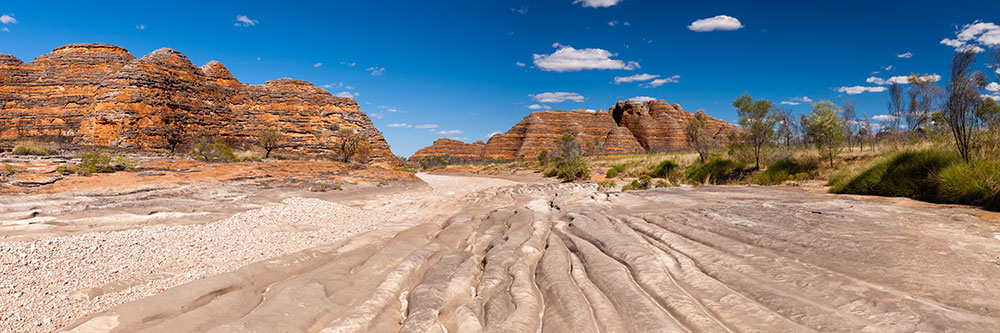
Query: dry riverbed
point(474, 253)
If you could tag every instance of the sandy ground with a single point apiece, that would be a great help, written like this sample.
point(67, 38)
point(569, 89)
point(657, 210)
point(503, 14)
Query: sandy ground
point(488, 254)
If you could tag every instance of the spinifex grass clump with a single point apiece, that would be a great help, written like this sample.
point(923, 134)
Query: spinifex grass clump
point(715, 171)
point(976, 183)
point(663, 169)
point(912, 174)
point(783, 170)
point(613, 172)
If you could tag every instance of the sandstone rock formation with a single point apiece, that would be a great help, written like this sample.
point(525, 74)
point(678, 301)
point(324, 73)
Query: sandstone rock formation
point(626, 128)
point(99, 94)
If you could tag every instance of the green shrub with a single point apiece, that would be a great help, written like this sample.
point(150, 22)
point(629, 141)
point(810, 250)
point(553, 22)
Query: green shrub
point(8, 170)
point(662, 183)
point(35, 148)
point(95, 162)
point(643, 183)
point(566, 162)
point(839, 180)
point(911, 174)
point(613, 172)
point(216, 151)
point(976, 183)
point(543, 156)
point(784, 169)
point(664, 169)
point(405, 169)
point(717, 171)
point(606, 185)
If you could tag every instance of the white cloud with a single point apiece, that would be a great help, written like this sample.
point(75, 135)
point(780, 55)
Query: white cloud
point(449, 132)
point(888, 68)
point(399, 125)
point(348, 64)
point(633, 78)
point(141, 27)
point(244, 21)
point(376, 71)
point(520, 64)
point(569, 59)
point(901, 79)
point(597, 3)
point(392, 109)
point(721, 22)
point(426, 126)
point(4, 29)
point(906, 55)
point(316, 65)
point(797, 100)
point(859, 89)
point(523, 10)
point(8, 19)
point(642, 99)
point(660, 82)
point(885, 117)
point(557, 97)
point(459, 138)
point(538, 107)
point(495, 133)
point(975, 34)
point(377, 115)
point(347, 94)
point(994, 87)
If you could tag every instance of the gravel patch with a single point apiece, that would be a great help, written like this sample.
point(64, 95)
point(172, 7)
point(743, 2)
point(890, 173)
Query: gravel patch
point(49, 283)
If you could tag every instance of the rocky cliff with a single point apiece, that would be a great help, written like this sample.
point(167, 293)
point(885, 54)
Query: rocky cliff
point(99, 94)
point(626, 128)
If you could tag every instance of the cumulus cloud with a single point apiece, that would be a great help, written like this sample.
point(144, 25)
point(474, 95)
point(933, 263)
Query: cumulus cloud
point(906, 55)
point(348, 64)
point(977, 35)
point(316, 65)
point(642, 99)
point(797, 100)
point(994, 87)
point(392, 109)
point(523, 10)
point(885, 117)
point(902, 79)
point(5, 29)
point(347, 94)
point(244, 21)
point(491, 135)
point(859, 89)
point(888, 68)
point(557, 97)
point(520, 64)
point(141, 27)
point(597, 3)
point(634, 78)
point(660, 82)
point(539, 107)
point(399, 125)
point(376, 71)
point(721, 23)
point(568, 59)
point(8, 19)
point(449, 132)
point(426, 126)
point(615, 22)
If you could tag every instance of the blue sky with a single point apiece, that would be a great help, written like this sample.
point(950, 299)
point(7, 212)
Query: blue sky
point(457, 64)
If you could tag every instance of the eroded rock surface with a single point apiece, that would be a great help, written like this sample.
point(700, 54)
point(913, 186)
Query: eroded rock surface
point(100, 94)
point(563, 258)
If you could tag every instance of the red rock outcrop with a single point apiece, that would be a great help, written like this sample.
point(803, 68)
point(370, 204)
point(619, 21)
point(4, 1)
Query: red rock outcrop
point(626, 128)
point(99, 94)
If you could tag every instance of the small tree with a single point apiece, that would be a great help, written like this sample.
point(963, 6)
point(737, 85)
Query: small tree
point(850, 121)
point(566, 162)
point(963, 99)
point(352, 145)
point(786, 125)
point(174, 130)
point(896, 107)
point(826, 129)
point(757, 126)
point(270, 139)
point(922, 98)
point(695, 134)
